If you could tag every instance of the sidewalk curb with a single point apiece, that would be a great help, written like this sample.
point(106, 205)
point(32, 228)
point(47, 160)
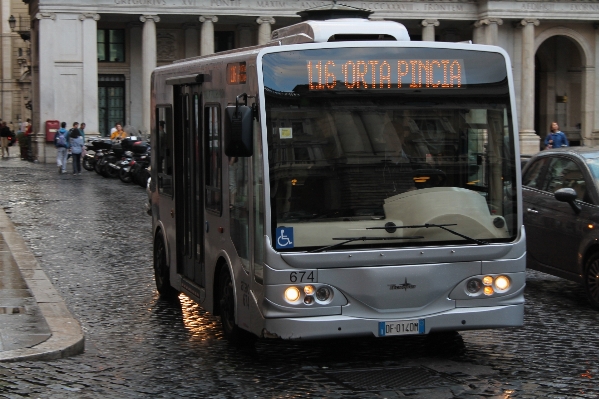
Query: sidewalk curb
point(67, 337)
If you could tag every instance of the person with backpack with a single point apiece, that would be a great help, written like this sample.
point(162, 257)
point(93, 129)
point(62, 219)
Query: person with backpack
point(76, 147)
point(60, 140)
point(72, 130)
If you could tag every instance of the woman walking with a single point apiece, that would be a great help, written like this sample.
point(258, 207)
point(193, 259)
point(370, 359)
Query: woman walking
point(60, 140)
point(76, 144)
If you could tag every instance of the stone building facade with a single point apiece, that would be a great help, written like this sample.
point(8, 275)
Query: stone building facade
point(92, 59)
point(15, 84)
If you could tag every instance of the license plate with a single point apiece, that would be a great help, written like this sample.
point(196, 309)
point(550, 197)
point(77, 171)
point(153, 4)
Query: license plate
point(402, 327)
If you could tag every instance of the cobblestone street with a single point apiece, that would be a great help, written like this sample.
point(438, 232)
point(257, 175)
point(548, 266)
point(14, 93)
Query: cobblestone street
point(92, 237)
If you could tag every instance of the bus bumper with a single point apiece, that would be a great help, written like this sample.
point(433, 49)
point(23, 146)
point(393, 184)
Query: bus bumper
point(345, 326)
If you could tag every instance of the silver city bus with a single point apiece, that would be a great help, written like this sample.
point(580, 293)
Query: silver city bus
point(340, 180)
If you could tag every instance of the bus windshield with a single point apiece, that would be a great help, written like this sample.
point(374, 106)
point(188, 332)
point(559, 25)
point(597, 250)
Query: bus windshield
point(378, 147)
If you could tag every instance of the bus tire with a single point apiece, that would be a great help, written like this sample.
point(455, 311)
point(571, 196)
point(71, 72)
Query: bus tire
point(591, 280)
point(162, 270)
point(231, 331)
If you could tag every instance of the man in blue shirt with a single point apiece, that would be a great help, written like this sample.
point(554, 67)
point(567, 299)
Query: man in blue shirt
point(556, 138)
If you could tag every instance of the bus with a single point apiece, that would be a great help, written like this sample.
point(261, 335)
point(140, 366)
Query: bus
point(340, 180)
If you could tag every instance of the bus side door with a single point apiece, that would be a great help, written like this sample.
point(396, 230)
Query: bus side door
point(189, 183)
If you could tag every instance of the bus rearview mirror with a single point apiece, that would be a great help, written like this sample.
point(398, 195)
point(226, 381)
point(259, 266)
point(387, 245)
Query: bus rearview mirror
point(238, 131)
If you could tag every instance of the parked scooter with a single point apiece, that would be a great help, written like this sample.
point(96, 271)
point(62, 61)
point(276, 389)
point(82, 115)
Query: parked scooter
point(124, 166)
point(112, 159)
point(139, 166)
point(94, 151)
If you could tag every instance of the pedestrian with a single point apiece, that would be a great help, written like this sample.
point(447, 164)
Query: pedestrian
point(82, 130)
point(118, 133)
point(28, 137)
point(4, 135)
point(72, 130)
point(60, 140)
point(556, 138)
point(76, 146)
point(25, 125)
point(22, 140)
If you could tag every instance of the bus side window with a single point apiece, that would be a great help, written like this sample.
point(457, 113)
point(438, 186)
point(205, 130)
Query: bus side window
point(164, 142)
point(213, 167)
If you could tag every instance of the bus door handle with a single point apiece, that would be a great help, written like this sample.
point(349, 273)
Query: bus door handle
point(172, 213)
point(530, 210)
point(207, 226)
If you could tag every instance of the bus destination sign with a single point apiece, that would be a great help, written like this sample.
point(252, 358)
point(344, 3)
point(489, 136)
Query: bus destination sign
point(386, 74)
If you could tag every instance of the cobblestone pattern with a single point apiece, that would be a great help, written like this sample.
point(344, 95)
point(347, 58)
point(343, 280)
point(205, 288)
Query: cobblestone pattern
point(92, 238)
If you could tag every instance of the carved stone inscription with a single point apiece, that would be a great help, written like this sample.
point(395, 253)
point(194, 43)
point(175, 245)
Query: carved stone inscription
point(465, 8)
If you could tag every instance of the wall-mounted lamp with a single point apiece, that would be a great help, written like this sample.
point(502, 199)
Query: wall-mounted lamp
point(12, 22)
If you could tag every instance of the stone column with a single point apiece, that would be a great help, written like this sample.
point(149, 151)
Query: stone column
point(148, 57)
point(43, 104)
point(90, 71)
point(492, 30)
point(478, 33)
point(191, 40)
point(46, 67)
point(428, 29)
point(7, 58)
point(529, 141)
point(135, 89)
point(244, 32)
point(595, 88)
point(264, 30)
point(207, 35)
point(588, 104)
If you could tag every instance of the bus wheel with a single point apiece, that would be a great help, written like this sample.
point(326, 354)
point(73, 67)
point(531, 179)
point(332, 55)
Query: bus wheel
point(231, 331)
point(591, 280)
point(162, 271)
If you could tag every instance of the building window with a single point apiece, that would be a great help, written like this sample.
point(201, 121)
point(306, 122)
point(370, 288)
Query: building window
point(111, 45)
point(111, 102)
point(224, 40)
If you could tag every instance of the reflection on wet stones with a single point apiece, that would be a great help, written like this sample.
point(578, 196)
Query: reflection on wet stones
point(93, 239)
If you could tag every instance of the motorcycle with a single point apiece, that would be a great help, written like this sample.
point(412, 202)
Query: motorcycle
point(139, 166)
point(124, 166)
point(112, 160)
point(94, 151)
point(102, 147)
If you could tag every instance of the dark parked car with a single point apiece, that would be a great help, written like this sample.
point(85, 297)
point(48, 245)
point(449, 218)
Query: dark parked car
point(560, 190)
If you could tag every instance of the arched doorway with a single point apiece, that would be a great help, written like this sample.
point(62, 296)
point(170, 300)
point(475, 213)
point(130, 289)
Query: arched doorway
point(560, 79)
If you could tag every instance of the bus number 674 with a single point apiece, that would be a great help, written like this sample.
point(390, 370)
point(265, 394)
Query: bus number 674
point(300, 277)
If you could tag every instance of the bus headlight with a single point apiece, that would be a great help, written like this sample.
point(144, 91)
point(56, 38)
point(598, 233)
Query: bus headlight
point(474, 285)
point(324, 294)
point(292, 294)
point(502, 283)
point(309, 290)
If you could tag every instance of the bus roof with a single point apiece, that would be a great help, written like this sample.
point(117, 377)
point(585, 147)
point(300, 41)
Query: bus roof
point(343, 29)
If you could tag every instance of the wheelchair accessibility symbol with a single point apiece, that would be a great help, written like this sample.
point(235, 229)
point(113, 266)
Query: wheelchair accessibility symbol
point(284, 237)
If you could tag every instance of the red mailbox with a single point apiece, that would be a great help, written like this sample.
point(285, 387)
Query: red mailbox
point(51, 128)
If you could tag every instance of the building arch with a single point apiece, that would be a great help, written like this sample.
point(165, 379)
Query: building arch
point(576, 37)
point(574, 111)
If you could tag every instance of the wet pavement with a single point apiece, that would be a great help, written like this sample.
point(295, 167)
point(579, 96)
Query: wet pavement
point(21, 323)
point(92, 239)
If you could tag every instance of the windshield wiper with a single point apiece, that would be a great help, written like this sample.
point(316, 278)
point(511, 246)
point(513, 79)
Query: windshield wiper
point(427, 225)
point(352, 239)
